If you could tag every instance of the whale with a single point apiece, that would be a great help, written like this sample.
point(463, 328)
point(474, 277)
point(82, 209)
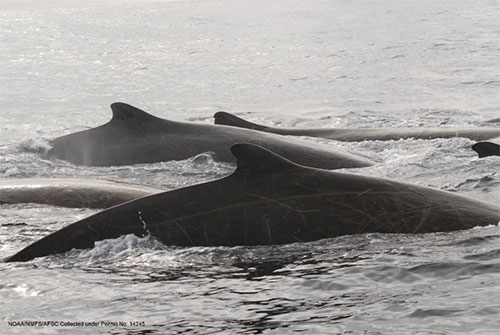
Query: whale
point(270, 200)
point(485, 149)
point(133, 136)
point(364, 134)
point(497, 120)
point(71, 192)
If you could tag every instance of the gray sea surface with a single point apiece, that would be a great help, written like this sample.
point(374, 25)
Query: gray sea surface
point(290, 63)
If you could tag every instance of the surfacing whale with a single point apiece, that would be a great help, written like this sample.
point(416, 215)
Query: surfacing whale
point(364, 134)
point(71, 192)
point(485, 149)
point(134, 136)
point(497, 120)
point(271, 200)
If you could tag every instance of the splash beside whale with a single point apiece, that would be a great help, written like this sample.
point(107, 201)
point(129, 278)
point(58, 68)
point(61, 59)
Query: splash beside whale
point(271, 200)
point(134, 136)
point(364, 134)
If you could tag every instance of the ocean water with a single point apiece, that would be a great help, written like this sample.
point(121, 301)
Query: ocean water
point(284, 63)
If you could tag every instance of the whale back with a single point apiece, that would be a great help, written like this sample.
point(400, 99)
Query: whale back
point(115, 143)
point(485, 149)
point(365, 134)
point(496, 120)
point(133, 136)
point(271, 200)
point(71, 192)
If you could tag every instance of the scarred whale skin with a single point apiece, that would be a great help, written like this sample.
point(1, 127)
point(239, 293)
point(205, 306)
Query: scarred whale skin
point(71, 192)
point(270, 200)
point(134, 136)
point(364, 134)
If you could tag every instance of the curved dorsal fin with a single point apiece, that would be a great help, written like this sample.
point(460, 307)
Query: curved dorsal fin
point(228, 119)
point(126, 112)
point(485, 149)
point(254, 159)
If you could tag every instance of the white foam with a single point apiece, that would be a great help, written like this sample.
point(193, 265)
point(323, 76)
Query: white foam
point(38, 145)
point(19, 290)
point(119, 248)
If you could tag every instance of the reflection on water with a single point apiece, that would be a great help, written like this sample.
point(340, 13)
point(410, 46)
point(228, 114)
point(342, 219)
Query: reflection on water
point(350, 282)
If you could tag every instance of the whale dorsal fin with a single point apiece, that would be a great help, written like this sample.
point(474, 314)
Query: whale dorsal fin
point(227, 119)
point(254, 159)
point(123, 112)
point(485, 149)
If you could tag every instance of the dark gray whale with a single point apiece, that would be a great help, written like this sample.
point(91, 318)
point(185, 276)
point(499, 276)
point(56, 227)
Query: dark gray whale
point(134, 136)
point(497, 120)
point(485, 149)
point(71, 192)
point(270, 200)
point(364, 134)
